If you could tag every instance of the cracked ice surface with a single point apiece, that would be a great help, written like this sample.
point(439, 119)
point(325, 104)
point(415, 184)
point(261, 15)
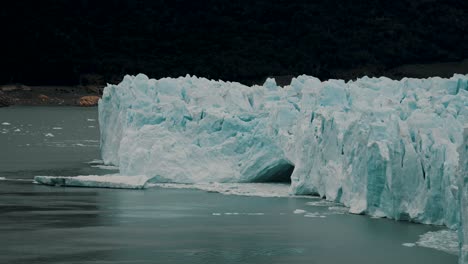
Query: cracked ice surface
point(382, 147)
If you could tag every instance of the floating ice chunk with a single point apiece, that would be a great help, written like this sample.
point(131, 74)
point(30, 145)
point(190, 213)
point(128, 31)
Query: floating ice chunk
point(6, 124)
point(216, 213)
point(91, 126)
point(57, 128)
point(299, 211)
point(314, 215)
point(106, 167)
point(17, 130)
point(91, 120)
point(95, 162)
point(443, 240)
point(2, 178)
point(408, 244)
point(49, 135)
point(104, 181)
point(321, 203)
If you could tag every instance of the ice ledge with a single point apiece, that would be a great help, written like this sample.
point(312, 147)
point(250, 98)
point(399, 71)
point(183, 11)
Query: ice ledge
point(99, 181)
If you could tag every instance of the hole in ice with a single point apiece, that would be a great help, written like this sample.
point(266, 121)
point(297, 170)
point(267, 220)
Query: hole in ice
point(279, 173)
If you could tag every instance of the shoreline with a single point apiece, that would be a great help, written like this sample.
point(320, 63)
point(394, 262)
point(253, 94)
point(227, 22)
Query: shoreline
point(18, 94)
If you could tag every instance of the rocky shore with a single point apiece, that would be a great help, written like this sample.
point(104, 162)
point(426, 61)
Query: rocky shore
point(18, 94)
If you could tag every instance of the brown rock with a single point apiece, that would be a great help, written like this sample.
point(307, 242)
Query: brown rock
point(91, 100)
point(43, 98)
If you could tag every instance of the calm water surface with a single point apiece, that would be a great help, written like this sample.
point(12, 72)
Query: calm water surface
point(41, 224)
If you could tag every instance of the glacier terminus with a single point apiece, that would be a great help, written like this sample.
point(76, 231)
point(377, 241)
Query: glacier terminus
point(382, 147)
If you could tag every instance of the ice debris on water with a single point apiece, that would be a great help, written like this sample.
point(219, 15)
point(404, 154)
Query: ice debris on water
point(443, 240)
point(49, 135)
point(299, 211)
point(6, 124)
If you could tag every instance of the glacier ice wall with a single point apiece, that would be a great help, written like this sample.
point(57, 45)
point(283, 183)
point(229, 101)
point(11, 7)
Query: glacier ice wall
point(382, 147)
point(463, 192)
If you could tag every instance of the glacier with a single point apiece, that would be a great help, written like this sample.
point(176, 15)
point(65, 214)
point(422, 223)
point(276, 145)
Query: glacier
point(382, 147)
point(463, 196)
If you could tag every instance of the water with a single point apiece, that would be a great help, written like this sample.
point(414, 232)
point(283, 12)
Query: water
point(42, 224)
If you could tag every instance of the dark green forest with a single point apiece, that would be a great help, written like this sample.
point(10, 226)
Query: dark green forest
point(59, 41)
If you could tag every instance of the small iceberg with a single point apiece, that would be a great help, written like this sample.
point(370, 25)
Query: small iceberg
point(114, 181)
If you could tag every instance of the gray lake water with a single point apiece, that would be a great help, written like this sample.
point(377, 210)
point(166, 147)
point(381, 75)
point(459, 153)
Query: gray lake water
point(42, 224)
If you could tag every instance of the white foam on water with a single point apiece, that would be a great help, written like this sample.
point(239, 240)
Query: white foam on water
point(6, 124)
point(49, 135)
point(91, 120)
point(91, 126)
point(236, 213)
point(57, 128)
point(17, 130)
point(244, 189)
point(2, 178)
point(443, 240)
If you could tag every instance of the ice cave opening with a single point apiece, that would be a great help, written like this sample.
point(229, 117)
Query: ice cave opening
point(277, 173)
